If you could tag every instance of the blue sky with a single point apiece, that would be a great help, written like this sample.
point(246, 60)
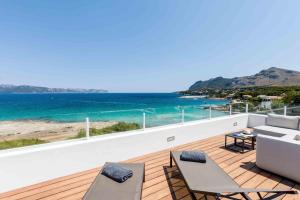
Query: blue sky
point(144, 46)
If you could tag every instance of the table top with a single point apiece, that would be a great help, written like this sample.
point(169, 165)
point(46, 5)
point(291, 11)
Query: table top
point(241, 135)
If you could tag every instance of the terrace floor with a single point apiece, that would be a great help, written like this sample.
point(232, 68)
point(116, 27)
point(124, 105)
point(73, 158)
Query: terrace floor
point(162, 182)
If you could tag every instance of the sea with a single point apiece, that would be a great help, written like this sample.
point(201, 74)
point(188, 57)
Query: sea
point(159, 108)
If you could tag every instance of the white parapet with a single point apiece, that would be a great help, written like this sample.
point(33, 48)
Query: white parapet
point(30, 165)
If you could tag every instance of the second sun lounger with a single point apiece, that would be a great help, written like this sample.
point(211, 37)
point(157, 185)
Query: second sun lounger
point(104, 188)
point(209, 179)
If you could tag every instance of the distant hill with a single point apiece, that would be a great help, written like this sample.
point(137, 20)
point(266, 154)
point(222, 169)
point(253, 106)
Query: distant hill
point(35, 89)
point(270, 77)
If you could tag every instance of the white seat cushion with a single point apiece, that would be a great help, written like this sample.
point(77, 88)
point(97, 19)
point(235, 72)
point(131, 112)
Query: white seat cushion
point(275, 131)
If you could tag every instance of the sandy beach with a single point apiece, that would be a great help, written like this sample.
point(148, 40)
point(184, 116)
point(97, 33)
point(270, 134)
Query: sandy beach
point(45, 130)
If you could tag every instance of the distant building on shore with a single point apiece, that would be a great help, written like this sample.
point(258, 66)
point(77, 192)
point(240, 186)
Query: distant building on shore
point(266, 101)
point(246, 96)
point(230, 96)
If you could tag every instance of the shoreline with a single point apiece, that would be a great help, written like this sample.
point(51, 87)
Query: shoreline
point(48, 131)
point(193, 97)
point(200, 97)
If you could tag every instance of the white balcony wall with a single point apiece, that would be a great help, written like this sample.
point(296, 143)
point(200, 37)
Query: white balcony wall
point(30, 165)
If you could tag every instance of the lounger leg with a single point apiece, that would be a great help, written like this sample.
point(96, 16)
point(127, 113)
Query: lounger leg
point(144, 177)
point(259, 195)
point(230, 196)
point(275, 195)
point(243, 146)
point(193, 195)
point(171, 164)
point(245, 196)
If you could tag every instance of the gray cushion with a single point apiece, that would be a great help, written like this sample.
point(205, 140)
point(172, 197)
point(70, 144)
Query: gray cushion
point(283, 121)
point(297, 138)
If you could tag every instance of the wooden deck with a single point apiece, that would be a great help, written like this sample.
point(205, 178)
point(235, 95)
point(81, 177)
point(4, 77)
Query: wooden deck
point(162, 182)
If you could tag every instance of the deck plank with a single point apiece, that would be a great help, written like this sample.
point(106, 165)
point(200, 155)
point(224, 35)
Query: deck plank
point(163, 182)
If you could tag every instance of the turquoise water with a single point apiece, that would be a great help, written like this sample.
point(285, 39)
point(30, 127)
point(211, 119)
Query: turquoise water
point(160, 108)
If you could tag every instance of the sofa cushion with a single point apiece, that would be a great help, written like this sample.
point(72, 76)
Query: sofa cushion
point(275, 131)
point(297, 138)
point(290, 122)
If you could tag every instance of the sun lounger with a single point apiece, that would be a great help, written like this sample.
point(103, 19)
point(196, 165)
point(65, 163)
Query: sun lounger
point(104, 188)
point(209, 179)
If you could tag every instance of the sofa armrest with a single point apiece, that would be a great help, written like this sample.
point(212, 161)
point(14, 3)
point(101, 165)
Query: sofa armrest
point(279, 155)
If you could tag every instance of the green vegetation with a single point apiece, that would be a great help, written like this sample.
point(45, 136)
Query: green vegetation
point(290, 94)
point(119, 127)
point(277, 104)
point(292, 97)
point(19, 143)
point(279, 96)
point(269, 91)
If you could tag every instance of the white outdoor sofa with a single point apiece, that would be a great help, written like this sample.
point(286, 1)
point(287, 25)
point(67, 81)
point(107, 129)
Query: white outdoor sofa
point(278, 146)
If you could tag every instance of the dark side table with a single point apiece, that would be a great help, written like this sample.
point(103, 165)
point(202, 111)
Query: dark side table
point(245, 139)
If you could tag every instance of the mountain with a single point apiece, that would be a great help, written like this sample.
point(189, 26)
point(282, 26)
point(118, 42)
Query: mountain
point(269, 77)
point(36, 89)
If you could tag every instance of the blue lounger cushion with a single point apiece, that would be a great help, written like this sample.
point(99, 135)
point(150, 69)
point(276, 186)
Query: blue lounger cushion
point(193, 156)
point(116, 172)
